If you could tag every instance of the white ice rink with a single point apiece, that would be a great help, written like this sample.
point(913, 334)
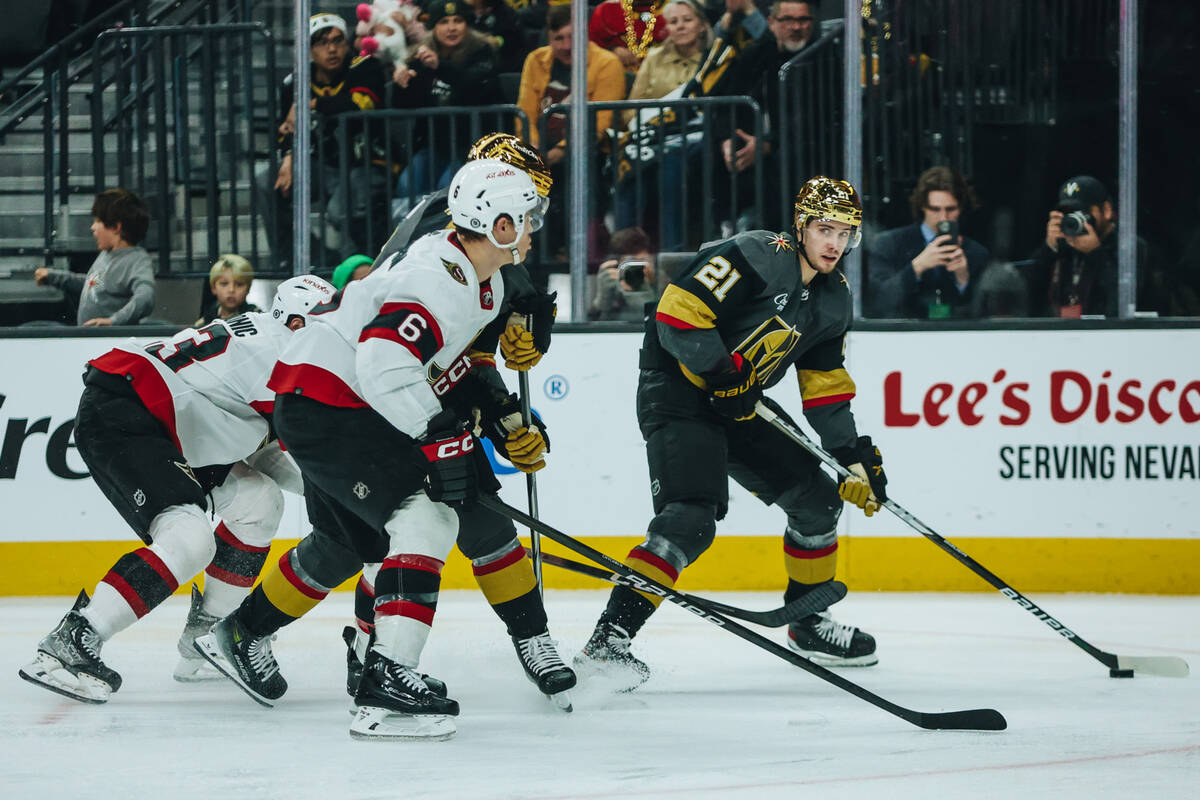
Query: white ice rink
point(719, 718)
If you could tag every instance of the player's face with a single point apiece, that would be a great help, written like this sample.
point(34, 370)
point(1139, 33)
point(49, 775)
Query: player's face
point(229, 293)
point(451, 30)
point(825, 242)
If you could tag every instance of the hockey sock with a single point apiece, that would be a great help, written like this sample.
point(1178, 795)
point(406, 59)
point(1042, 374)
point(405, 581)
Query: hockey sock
point(507, 581)
point(809, 561)
point(287, 592)
point(406, 595)
point(232, 571)
point(631, 609)
point(364, 605)
point(141, 580)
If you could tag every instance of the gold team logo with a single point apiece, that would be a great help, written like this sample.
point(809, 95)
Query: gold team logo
point(455, 271)
point(768, 346)
point(781, 243)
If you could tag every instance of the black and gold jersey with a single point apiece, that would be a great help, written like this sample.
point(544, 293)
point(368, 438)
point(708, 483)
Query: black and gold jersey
point(745, 295)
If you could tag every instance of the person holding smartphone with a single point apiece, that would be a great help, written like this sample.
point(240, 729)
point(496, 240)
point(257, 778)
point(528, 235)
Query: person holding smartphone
point(927, 270)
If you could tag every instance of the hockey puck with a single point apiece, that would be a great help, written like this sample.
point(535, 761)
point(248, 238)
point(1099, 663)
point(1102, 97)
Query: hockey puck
point(1120, 673)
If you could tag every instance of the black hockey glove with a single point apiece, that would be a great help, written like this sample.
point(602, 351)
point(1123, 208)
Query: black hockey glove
point(524, 446)
point(867, 486)
point(527, 336)
point(736, 390)
point(448, 447)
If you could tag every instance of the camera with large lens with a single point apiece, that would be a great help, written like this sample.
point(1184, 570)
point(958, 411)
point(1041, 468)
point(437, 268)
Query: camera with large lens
point(633, 274)
point(1075, 223)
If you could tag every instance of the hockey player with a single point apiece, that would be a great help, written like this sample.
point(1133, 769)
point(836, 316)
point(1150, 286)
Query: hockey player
point(360, 407)
point(490, 540)
point(162, 428)
point(726, 329)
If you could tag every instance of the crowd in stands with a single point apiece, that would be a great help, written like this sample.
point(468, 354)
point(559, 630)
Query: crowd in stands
point(450, 54)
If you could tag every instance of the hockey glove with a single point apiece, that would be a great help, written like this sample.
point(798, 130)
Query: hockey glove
point(867, 486)
point(526, 338)
point(448, 447)
point(735, 391)
point(524, 446)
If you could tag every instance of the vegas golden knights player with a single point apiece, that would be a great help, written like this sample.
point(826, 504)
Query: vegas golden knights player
point(725, 329)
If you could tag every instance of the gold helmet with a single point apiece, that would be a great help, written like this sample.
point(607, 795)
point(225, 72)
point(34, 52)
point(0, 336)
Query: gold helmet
point(511, 150)
point(834, 200)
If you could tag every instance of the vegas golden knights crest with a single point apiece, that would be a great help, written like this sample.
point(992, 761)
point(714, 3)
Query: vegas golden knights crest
point(455, 271)
point(768, 346)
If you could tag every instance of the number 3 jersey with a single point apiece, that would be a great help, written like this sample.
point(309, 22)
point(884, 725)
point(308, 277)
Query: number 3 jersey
point(207, 386)
point(396, 341)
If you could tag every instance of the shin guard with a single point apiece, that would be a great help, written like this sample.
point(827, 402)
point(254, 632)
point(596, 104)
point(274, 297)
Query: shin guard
point(507, 581)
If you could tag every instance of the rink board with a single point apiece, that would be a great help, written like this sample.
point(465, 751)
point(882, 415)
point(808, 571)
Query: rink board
point(1061, 460)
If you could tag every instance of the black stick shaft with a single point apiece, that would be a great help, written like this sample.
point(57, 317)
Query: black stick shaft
point(535, 542)
point(975, 719)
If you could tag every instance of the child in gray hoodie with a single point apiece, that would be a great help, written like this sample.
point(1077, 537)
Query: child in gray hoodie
point(119, 287)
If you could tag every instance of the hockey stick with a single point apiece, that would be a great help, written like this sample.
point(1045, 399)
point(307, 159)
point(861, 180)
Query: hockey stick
point(1118, 666)
point(980, 719)
point(535, 542)
point(813, 602)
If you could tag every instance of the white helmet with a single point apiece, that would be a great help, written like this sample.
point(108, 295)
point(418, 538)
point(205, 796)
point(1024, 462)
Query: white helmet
point(295, 297)
point(486, 189)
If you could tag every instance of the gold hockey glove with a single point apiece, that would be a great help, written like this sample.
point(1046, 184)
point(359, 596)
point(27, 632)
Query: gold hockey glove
point(867, 485)
point(517, 347)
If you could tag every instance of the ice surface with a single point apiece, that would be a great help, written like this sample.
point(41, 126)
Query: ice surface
point(719, 718)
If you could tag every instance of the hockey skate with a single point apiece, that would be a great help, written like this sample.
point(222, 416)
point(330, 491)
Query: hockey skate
point(244, 658)
point(68, 660)
point(831, 644)
point(192, 668)
point(606, 657)
point(354, 666)
point(395, 703)
point(545, 668)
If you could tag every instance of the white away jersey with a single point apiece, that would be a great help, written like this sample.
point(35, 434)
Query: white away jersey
point(397, 340)
point(208, 386)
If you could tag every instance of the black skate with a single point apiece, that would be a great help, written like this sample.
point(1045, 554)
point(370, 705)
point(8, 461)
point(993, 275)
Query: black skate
point(354, 665)
point(831, 644)
point(545, 668)
point(192, 667)
point(395, 703)
point(244, 658)
point(606, 656)
point(68, 660)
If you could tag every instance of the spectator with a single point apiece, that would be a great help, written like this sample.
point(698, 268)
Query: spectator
point(626, 281)
point(666, 69)
point(754, 72)
point(354, 268)
point(546, 80)
point(119, 287)
point(1074, 272)
point(627, 29)
point(742, 23)
point(229, 281)
point(337, 85)
point(455, 66)
point(499, 23)
point(919, 271)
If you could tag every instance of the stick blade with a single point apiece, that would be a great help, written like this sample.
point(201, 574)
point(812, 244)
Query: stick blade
point(978, 719)
point(1166, 666)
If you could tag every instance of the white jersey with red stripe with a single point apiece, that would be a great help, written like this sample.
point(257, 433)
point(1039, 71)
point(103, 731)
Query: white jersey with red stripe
point(397, 340)
point(208, 386)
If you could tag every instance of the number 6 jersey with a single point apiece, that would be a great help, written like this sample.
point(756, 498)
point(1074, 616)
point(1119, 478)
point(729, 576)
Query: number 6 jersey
point(207, 386)
point(398, 340)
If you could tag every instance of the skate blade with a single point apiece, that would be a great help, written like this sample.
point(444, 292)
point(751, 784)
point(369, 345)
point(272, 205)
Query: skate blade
point(195, 670)
point(372, 722)
point(608, 677)
point(49, 673)
point(827, 660)
point(206, 646)
point(561, 701)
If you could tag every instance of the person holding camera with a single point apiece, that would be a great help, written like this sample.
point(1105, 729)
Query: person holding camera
point(927, 270)
point(1074, 272)
point(625, 282)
